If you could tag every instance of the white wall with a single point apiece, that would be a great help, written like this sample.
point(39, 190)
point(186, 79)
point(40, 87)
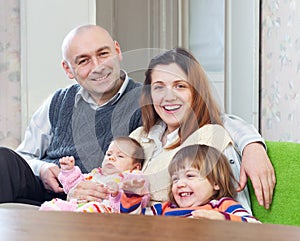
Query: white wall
point(44, 24)
point(206, 41)
point(235, 23)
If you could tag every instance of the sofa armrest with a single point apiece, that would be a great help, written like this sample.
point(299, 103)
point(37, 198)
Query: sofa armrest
point(285, 208)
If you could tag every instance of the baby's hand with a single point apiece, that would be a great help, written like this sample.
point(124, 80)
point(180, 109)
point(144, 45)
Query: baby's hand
point(67, 162)
point(209, 214)
point(135, 185)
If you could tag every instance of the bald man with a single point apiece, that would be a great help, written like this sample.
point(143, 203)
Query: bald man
point(78, 121)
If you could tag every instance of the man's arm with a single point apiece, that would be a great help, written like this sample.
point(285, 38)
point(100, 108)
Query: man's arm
point(255, 162)
point(35, 144)
point(241, 132)
point(37, 138)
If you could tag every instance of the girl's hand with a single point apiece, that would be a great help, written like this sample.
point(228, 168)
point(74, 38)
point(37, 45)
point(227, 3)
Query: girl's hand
point(209, 214)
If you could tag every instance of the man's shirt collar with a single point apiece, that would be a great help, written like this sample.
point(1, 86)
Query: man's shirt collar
point(85, 96)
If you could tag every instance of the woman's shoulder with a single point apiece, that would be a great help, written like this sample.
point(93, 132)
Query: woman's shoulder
point(137, 133)
point(212, 135)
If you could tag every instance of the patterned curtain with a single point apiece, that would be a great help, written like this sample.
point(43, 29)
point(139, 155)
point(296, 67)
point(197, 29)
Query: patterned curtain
point(10, 99)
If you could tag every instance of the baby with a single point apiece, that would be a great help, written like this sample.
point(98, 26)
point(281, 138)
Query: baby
point(122, 162)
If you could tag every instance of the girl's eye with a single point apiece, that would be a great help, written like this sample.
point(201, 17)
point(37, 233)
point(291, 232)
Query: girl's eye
point(174, 179)
point(192, 175)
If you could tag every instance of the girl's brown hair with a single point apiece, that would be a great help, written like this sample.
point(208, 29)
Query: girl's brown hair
point(204, 109)
point(211, 164)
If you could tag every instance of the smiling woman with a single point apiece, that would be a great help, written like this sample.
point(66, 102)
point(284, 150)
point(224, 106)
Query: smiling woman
point(178, 110)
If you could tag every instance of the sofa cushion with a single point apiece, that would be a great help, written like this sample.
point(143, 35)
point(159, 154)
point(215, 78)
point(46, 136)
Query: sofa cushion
point(285, 208)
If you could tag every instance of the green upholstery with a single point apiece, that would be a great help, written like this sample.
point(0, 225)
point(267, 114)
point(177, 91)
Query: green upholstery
point(285, 208)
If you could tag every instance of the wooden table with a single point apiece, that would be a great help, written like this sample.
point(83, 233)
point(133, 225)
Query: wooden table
point(37, 225)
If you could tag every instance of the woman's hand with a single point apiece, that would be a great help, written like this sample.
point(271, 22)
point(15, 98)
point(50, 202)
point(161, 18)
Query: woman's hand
point(88, 191)
point(257, 166)
point(135, 185)
point(113, 188)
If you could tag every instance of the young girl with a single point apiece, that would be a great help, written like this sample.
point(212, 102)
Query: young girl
point(202, 187)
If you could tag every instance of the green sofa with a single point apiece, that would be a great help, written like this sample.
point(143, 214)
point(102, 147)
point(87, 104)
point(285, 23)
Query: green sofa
point(285, 208)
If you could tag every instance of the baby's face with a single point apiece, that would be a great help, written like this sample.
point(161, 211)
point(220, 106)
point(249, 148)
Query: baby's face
point(118, 158)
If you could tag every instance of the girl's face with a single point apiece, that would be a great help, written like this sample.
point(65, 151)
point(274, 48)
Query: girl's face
point(190, 189)
point(171, 94)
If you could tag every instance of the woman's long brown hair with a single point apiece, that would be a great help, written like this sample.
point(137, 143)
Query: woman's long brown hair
point(204, 109)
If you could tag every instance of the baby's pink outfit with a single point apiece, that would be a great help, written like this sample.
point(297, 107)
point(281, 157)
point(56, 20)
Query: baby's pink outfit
point(70, 178)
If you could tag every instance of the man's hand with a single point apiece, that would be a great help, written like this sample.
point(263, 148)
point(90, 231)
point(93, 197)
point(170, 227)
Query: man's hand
point(257, 166)
point(48, 175)
point(88, 191)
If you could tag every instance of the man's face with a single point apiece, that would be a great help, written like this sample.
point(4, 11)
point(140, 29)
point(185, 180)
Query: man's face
point(93, 59)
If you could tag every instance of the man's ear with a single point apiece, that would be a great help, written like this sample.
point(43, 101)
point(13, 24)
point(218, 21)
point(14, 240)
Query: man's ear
point(118, 50)
point(67, 69)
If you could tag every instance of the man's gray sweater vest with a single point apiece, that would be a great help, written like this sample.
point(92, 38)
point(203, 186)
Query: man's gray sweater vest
point(85, 133)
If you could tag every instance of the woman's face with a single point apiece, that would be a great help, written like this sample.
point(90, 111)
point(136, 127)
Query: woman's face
point(171, 94)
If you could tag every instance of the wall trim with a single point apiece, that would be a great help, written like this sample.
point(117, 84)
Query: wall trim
point(242, 59)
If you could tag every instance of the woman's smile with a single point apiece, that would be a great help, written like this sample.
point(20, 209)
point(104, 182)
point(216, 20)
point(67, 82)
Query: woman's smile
point(171, 108)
